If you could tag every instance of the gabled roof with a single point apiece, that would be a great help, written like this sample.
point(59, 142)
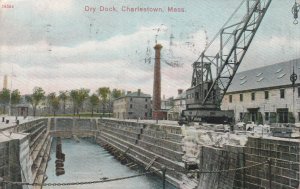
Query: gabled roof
point(135, 94)
point(274, 75)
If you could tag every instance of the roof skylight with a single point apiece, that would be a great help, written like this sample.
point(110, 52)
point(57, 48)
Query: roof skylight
point(243, 77)
point(281, 75)
point(279, 70)
point(243, 82)
point(260, 79)
point(259, 74)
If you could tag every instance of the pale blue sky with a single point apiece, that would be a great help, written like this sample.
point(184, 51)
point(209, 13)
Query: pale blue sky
point(57, 45)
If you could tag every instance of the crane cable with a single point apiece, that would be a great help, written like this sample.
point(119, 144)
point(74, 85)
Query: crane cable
point(218, 33)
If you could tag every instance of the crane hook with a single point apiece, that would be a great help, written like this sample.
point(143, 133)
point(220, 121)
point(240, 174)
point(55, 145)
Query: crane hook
point(295, 11)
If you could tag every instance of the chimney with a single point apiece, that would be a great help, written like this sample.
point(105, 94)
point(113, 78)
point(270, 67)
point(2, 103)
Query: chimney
point(139, 92)
point(5, 82)
point(180, 91)
point(157, 79)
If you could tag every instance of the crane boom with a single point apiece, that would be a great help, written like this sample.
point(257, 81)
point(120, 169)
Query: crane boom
point(209, 85)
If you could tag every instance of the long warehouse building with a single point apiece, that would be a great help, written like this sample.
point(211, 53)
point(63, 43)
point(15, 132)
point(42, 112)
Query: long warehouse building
point(265, 94)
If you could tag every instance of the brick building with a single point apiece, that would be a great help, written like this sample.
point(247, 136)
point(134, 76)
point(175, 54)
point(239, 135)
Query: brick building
point(265, 94)
point(132, 106)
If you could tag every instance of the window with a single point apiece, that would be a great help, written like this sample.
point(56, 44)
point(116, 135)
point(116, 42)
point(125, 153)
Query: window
point(252, 96)
point(281, 93)
point(130, 105)
point(298, 91)
point(130, 99)
point(146, 106)
point(267, 116)
point(266, 95)
point(146, 114)
point(298, 116)
point(241, 97)
point(230, 98)
point(241, 116)
point(197, 95)
point(146, 99)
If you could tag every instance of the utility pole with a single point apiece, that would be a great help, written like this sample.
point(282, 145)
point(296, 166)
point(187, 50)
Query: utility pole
point(293, 79)
point(9, 105)
point(164, 169)
point(1, 182)
point(295, 12)
point(270, 172)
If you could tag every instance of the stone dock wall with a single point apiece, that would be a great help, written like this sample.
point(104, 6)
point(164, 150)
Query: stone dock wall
point(228, 157)
point(283, 153)
point(24, 157)
point(68, 127)
point(154, 146)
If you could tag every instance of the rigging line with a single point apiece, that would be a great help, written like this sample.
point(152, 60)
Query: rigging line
point(79, 183)
point(218, 33)
point(229, 170)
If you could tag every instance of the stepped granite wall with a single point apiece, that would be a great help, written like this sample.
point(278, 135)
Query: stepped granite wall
point(146, 142)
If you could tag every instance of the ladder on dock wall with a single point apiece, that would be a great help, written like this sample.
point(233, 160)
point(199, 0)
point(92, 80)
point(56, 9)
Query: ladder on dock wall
point(124, 153)
point(151, 163)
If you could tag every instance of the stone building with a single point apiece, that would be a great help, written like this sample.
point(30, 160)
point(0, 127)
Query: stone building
point(132, 106)
point(265, 94)
point(179, 104)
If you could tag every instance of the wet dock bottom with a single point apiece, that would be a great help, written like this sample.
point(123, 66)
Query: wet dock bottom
point(87, 161)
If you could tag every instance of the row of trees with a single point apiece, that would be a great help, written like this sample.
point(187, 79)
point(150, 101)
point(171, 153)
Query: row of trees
point(7, 97)
point(78, 97)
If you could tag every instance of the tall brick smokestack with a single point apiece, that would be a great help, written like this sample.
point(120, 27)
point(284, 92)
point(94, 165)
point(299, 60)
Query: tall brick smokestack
point(157, 80)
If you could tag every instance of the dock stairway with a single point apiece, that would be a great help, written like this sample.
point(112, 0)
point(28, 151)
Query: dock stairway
point(124, 153)
point(151, 163)
point(188, 183)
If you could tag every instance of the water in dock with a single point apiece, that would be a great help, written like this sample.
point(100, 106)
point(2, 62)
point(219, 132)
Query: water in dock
point(87, 161)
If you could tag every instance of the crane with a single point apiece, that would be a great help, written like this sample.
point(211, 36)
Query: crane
point(214, 71)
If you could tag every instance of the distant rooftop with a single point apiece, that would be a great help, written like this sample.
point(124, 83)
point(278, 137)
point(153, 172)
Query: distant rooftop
point(136, 94)
point(274, 75)
point(181, 96)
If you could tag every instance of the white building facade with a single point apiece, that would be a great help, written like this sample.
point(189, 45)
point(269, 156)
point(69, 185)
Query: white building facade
point(179, 104)
point(266, 94)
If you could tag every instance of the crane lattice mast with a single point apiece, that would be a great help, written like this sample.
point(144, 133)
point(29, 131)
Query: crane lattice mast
point(214, 71)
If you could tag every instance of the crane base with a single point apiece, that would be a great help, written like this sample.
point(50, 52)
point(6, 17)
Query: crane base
point(207, 116)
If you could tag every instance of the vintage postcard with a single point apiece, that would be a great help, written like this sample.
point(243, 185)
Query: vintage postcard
point(190, 94)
